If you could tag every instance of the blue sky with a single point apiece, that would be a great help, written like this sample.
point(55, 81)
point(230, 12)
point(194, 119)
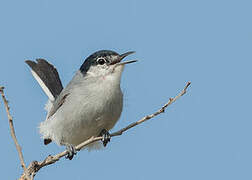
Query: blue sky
point(205, 135)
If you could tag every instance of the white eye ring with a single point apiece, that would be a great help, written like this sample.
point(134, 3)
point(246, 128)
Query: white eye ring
point(101, 61)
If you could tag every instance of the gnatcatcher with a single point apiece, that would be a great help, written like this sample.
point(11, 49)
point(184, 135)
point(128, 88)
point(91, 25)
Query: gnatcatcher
point(90, 105)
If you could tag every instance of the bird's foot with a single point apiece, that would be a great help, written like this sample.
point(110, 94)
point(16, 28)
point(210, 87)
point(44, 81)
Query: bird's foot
point(105, 137)
point(71, 151)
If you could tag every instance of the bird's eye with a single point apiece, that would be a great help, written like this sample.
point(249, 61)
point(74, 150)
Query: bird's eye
point(101, 61)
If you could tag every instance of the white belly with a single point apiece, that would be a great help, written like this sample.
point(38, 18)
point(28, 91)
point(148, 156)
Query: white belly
point(85, 112)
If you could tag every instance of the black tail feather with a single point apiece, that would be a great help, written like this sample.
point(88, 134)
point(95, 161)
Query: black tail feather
point(48, 74)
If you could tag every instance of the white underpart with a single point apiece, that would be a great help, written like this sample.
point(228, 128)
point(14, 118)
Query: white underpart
point(93, 104)
point(43, 86)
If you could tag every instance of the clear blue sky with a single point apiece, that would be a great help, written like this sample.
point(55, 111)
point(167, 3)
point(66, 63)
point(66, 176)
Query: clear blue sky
point(205, 135)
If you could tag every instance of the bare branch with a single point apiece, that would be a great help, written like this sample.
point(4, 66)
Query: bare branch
point(13, 135)
point(35, 166)
point(171, 100)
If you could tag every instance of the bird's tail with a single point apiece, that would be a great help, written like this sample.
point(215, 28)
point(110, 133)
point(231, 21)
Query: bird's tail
point(47, 76)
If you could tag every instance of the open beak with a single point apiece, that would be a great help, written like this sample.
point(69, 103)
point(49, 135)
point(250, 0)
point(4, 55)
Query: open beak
point(126, 54)
point(122, 56)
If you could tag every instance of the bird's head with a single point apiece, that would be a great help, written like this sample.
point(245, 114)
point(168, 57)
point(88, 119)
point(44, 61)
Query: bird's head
point(104, 62)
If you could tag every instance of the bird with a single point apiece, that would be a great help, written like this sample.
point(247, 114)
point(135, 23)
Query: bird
point(90, 104)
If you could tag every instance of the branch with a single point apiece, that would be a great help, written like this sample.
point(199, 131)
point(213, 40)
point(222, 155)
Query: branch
point(162, 110)
point(13, 135)
point(35, 166)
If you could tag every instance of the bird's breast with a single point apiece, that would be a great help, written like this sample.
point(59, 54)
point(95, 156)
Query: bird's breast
point(100, 103)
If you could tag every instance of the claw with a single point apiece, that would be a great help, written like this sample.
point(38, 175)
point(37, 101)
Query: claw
point(105, 137)
point(71, 151)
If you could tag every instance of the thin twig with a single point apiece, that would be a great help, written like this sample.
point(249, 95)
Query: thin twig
point(35, 166)
point(171, 100)
point(12, 131)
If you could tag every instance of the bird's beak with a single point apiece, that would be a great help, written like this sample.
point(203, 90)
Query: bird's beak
point(126, 54)
point(122, 56)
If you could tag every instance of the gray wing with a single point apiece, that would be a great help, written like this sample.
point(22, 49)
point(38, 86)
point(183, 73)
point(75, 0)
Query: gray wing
point(59, 101)
point(57, 104)
point(47, 76)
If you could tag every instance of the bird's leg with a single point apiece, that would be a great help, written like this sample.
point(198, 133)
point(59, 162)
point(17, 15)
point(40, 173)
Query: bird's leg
point(71, 151)
point(105, 137)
